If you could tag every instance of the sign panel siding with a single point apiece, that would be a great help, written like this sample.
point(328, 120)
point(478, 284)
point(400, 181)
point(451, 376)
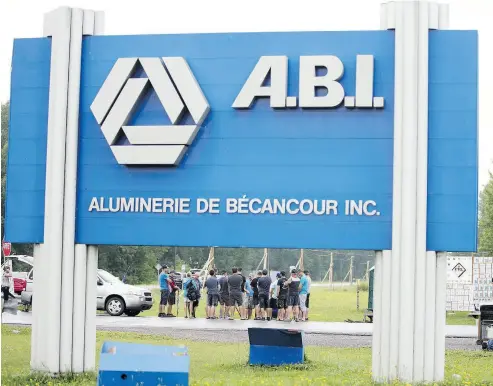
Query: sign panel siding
point(258, 176)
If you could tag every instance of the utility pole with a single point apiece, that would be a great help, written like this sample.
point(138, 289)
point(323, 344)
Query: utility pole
point(357, 295)
point(367, 274)
point(174, 261)
point(266, 259)
point(351, 271)
point(302, 266)
point(331, 270)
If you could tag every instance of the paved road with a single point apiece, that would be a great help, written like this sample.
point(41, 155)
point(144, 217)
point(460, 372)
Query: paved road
point(316, 333)
point(335, 328)
point(311, 339)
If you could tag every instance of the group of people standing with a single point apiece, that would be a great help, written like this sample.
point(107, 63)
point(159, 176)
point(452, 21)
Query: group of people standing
point(257, 296)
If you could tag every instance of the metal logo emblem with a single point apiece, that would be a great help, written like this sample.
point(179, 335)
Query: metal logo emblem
point(176, 88)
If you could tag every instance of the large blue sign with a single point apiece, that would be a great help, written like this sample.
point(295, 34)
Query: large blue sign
point(272, 139)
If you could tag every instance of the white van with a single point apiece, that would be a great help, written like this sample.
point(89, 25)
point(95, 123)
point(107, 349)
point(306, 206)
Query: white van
point(113, 296)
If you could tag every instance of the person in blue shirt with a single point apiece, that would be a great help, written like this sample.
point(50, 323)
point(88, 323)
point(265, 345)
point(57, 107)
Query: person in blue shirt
point(304, 284)
point(165, 289)
point(249, 292)
point(188, 308)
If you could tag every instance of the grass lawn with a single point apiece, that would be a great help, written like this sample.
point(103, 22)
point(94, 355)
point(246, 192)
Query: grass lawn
point(326, 305)
point(228, 364)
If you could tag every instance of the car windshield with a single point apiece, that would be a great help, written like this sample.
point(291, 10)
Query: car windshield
point(108, 277)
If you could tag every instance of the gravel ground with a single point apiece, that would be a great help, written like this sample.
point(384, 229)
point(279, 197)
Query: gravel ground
point(327, 340)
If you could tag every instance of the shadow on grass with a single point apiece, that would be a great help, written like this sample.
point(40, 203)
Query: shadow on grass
point(44, 379)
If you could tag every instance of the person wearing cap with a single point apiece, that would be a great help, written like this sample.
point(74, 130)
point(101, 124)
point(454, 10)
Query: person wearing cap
point(165, 289)
point(303, 295)
point(293, 285)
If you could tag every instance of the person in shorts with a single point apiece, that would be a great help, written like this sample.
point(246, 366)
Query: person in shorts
point(303, 295)
point(164, 287)
point(293, 284)
point(235, 282)
point(263, 284)
point(186, 300)
point(308, 276)
point(282, 296)
point(272, 309)
point(212, 286)
point(249, 289)
point(254, 285)
point(223, 296)
point(173, 293)
point(197, 289)
point(244, 294)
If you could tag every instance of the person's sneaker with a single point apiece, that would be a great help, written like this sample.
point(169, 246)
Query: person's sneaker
point(230, 318)
point(268, 319)
point(186, 317)
point(160, 315)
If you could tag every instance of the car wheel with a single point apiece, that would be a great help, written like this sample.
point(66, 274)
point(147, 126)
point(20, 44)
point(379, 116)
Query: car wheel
point(115, 306)
point(132, 313)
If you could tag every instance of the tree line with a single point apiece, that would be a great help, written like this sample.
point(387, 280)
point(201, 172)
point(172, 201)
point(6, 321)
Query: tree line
point(138, 264)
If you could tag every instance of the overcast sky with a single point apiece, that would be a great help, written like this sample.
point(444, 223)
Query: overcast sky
point(25, 19)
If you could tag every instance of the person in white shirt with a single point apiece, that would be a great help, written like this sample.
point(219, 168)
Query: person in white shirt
point(273, 297)
point(6, 276)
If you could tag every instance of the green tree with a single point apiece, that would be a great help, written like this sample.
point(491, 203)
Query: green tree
point(485, 230)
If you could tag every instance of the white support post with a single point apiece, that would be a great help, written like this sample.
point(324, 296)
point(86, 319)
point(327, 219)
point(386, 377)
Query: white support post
point(79, 307)
point(90, 311)
point(57, 25)
point(377, 314)
point(440, 315)
point(71, 146)
point(410, 284)
point(58, 346)
point(38, 307)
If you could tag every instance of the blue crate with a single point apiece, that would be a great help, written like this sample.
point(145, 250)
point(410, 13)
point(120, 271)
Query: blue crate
point(145, 364)
point(275, 347)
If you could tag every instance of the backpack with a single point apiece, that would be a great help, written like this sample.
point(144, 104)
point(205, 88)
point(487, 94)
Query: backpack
point(191, 291)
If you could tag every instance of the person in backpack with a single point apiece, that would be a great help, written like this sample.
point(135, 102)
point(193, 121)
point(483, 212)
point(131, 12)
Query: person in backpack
point(188, 309)
point(197, 288)
point(192, 296)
